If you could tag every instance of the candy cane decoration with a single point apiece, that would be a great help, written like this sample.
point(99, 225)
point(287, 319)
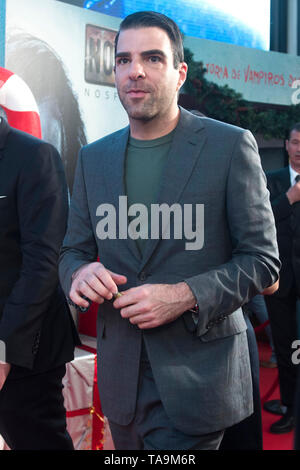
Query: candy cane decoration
point(19, 104)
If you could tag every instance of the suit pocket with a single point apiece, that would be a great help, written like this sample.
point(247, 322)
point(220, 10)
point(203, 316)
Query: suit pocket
point(233, 324)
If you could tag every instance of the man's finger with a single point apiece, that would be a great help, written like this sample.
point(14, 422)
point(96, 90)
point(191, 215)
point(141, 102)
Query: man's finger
point(138, 309)
point(85, 289)
point(97, 287)
point(78, 299)
point(118, 278)
point(130, 297)
point(108, 279)
point(147, 325)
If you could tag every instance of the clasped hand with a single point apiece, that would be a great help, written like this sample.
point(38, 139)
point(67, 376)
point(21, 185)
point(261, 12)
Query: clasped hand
point(293, 194)
point(147, 306)
point(153, 305)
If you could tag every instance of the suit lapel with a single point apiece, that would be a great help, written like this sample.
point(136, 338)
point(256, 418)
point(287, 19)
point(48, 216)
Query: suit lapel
point(115, 182)
point(186, 146)
point(286, 179)
point(115, 165)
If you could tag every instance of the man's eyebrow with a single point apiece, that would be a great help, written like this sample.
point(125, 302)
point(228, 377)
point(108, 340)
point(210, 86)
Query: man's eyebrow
point(154, 52)
point(144, 53)
point(122, 54)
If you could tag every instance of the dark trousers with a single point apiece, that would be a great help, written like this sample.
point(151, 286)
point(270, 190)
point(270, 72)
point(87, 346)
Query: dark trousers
point(32, 413)
point(151, 428)
point(283, 321)
point(247, 435)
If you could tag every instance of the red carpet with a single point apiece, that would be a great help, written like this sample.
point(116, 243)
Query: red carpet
point(267, 379)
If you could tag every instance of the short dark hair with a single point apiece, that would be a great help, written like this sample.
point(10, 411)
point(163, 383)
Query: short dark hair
point(294, 127)
point(148, 19)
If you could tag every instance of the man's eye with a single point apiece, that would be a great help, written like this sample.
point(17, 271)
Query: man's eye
point(154, 59)
point(122, 61)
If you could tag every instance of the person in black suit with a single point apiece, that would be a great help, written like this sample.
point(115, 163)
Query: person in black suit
point(285, 199)
point(37, 331)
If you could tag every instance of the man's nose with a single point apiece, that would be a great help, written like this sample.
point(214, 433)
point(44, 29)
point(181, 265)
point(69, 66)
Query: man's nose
point(136, 70)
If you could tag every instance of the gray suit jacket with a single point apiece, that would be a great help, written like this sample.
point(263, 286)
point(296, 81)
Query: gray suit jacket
point(202, 373)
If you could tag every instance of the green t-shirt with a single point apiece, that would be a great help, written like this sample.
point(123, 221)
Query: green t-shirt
point(145, 161)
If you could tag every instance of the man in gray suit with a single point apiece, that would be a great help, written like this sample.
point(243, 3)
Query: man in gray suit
point(176, 208)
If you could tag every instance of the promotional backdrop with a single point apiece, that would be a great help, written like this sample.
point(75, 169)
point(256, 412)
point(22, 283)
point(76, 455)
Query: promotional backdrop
point(65, 54)
point(231, 21)
point(260, 76)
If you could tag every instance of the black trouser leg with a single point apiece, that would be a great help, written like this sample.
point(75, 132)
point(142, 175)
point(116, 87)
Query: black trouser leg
point(283, 321)
point(32, 413)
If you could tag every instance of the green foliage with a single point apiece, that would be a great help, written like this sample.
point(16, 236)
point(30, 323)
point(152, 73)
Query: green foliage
point(225, 104)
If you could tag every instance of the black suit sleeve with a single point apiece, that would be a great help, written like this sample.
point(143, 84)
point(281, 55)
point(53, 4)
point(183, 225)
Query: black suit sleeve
point(42, 201)
point(279, 201)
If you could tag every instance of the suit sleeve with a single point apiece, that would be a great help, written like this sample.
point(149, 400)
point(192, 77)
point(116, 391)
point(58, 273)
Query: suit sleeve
point(254, 264)
point(42, 202)
point(79, 246)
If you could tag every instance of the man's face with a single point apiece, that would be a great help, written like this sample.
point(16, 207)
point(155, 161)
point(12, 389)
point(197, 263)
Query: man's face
point(293, 150)
point(146, 79)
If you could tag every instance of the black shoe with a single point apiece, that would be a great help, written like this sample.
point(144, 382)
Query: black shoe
point(275, 407)
point(283, 425)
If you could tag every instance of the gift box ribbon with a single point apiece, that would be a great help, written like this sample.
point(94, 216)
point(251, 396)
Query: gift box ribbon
point(95, 410)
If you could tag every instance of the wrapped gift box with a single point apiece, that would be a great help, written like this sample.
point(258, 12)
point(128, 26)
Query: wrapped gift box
point(85, 421)
point(3, 445)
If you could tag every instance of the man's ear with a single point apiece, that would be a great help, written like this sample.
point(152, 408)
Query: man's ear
point(286, 145)
point(183, 68)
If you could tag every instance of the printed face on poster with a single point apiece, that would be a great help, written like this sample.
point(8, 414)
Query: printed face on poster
point(66, 56)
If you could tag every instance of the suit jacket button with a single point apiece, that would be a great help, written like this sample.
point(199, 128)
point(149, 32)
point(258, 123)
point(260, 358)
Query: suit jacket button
point(143, 276)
